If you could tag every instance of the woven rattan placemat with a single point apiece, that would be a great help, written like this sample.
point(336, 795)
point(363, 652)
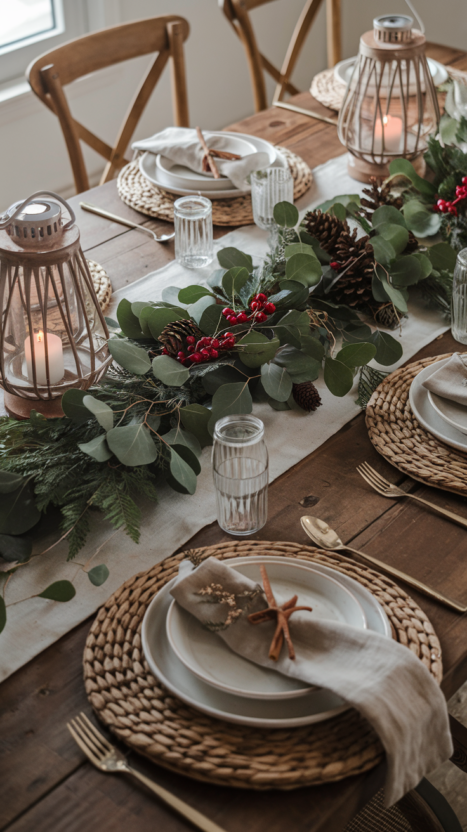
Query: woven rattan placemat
point(327, 90)
point(137, 192)
point(396, 434)
point(102, 284)
point(141, 712)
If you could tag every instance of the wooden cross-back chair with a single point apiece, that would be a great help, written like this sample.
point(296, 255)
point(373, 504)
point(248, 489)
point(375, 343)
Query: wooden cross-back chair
point(237, 13)
point(49, 73)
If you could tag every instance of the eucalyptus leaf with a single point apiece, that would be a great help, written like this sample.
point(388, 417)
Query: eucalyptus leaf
point(276, 382)
point(285, 215)
point(157, 318)
point(303, 268)
point(448, 128)
point(255, 349)
point(98, 574)
point(301, 367)
point(230, 257)
point(298, 293)
point(337, 377)
point(279, 405)
point(223, 375)
point(387, 214)
point(59, 591)
point(396, 296)
point(405, 271)
point(130, 357)
point(196, 310)
point(397, 235)
point(233, 280)
point(426, 266)
point(169, 371)
point(182, 472)
point(405, 168)
point(15, 547)
point(312, 347)
point(111, 323)
point(177, 436)
point(73, 407)
point(229, 399)
point(343, 199)
point(338, 210)
point(101, 410)
point(195, 419)
point(356, 355)
point(132, 445)
point(190, 458)
point(384, 251)
point(170, 295)
point(18, 510)
point(191, 294)
point(97, 448)
point(388, 350)
point(420, 220)
point(2, 614)
point(442, 256)
point(10, 482)
point(129, 323)
point(211, 320)
point(298, 248)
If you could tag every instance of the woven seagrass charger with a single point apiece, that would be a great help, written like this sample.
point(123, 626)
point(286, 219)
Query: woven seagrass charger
point(149, 719)
point(396, 434)
point(137, 192)
point(101, 283)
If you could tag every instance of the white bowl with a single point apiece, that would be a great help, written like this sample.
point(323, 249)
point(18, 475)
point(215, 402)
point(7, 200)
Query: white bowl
point(174, 175)
point(209, 658)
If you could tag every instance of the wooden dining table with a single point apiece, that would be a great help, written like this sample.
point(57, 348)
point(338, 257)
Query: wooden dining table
point(46, 783)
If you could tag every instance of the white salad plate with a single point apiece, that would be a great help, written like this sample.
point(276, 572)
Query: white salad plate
point(343, 73)
point(454, 413)
point(148, 167)
point(316, 706)
point(209, 657)
point(428, 415)
point(179, 176)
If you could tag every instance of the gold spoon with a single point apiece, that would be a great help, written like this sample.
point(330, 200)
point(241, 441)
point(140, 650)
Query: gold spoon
point(327, 538)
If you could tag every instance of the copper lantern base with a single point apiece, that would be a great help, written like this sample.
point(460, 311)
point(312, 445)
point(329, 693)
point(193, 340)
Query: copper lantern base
point(363, 171)
point(19, 408)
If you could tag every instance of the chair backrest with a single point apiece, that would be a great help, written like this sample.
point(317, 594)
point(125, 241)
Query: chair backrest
point(49, 73)
point(237, 13)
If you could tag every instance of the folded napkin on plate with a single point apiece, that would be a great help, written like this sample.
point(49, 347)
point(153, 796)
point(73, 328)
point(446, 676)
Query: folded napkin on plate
point(379, 677)
point(450, 381)
point(181, 145)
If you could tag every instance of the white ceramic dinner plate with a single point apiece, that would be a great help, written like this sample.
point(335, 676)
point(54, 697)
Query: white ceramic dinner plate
point(427, 415)
point(454, 413)
point(148, 167)
point(343, 72)
point(314, 707)
point(208, 657)
point(174, 175)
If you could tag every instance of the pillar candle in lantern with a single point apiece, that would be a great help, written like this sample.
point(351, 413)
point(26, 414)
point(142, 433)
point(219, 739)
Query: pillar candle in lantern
point(55, 356)
point(392, 127)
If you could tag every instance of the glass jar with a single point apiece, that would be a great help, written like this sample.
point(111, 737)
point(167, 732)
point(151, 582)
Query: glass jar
point(268, 187)
point(240, 470)
point(193, 231)
point(459, 299)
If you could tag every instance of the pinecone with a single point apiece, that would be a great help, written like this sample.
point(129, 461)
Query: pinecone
point(306, 396)
point(412, 245)
point(356, 257)
point(174, 334)
point(378, 195)
point(386, 315)
point(324, 227)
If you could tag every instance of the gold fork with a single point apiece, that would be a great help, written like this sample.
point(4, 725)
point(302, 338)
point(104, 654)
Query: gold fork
point(387, 489)
point(107, 758)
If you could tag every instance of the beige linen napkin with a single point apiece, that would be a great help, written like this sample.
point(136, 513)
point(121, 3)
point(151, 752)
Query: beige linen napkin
point(450, 381)
point(379, 677)
point(181, 145)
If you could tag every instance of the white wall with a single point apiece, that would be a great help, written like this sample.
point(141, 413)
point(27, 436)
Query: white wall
point(32, 151)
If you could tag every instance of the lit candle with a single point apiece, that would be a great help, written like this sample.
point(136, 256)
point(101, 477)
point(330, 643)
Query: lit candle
point(54, 353)
point(392, 126)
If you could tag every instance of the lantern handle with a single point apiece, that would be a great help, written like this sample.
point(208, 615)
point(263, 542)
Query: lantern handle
point(6, 219)
point(417, 16)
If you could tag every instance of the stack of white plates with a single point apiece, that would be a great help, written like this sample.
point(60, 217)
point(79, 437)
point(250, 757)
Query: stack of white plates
point(180, 180)
point(198, 667)
point(344, 69)
point(444, 419)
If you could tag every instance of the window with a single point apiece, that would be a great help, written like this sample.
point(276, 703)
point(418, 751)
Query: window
point(22, 20)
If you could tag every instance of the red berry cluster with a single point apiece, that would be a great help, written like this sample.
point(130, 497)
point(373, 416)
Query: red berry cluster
point(260, 309)
point(444, 207)
point(206, 349)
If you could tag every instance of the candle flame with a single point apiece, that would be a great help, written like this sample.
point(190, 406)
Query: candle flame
point(40, 336)
point(385, 119)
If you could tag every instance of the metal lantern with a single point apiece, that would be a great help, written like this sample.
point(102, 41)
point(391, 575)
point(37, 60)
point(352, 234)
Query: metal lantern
point(390, 105)
point(53, 335)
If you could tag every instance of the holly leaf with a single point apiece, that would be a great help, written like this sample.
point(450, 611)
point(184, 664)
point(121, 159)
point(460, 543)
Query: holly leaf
point(59, 591)
point(228, 399)
point(97, 448)
point(303, 268)
point(276, 382)
point(102, 412)
point(337, 377)
point(128, 321)
point(131, 358)
point(255, 349)
point(230, 257)
point(73, 407)
point(98, 574)
point(285, 215)
point(195, 419)
point(132, 445)
point(182, 472)
point(356, 355)
point(169, 371)
point(388, 350)
point(191, 294)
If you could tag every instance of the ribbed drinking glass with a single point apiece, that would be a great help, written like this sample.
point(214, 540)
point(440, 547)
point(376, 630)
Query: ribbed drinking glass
point(268, 187)
point(459, 299)
point(240, 471)
point(193, 231)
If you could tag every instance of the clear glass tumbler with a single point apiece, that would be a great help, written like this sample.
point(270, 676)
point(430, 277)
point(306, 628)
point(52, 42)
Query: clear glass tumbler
point(193, 231)
point(459, 299)
point(240, 471)
point(268, 187)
